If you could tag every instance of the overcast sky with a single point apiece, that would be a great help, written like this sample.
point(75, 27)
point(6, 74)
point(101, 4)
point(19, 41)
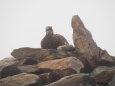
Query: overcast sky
point(23, 22)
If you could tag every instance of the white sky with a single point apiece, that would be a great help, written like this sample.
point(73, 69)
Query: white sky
point(23, 22)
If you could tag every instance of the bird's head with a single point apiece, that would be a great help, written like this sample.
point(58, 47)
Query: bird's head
point(49, 30)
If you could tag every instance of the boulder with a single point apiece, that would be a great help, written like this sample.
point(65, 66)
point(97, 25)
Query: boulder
point(27, 52)
point(38, 54)
point(21, 80)
point(85, 46)
point(7, 62)
point(61, 67)
point(112, 82)
point(105, 59)
point(10, 71)
point(75, 80)
point(103, 74)
point(14, 70)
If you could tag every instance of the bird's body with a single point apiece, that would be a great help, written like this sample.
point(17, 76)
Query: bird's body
point(51, 40)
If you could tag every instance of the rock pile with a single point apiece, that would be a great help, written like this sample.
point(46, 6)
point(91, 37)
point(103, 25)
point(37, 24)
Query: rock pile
point(84, 65)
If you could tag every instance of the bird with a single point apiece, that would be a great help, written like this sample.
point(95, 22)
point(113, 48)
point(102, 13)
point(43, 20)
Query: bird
point(51, 40)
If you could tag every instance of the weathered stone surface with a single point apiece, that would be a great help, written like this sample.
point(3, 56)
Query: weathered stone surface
point(21, 80)
point(45, 78)
point(105, 59)
point(61, 67)
point(29, 69)
point(38, 54)
point(7, 62)
point(112, 83)
point(75, 80)
point(103, 74)
point(13, 70)
point(26, 52)
point(84, 43)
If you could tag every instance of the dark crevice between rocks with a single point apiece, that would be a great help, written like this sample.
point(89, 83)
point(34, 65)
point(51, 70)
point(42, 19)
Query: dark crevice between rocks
point(26, 61)
point(36, 72)
point(57, 74)
point(105, 63)
point(102, 84)
point(37, 83)
point(29, 61)
point(89, 80)
point(87, 68)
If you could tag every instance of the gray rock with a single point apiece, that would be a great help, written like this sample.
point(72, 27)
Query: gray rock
point(103, 74)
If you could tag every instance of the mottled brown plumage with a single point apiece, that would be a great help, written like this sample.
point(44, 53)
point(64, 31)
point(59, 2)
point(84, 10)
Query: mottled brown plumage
point(51, 40)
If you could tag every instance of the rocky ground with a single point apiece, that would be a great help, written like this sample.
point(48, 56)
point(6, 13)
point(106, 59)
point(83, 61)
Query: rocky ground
point(83, 65)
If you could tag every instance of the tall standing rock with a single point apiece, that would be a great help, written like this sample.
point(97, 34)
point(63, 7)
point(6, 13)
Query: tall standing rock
point(85, 46)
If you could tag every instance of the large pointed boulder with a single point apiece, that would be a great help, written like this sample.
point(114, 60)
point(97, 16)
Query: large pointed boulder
point(85, 46)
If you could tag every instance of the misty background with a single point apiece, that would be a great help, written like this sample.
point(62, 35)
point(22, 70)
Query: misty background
point(23, 22)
